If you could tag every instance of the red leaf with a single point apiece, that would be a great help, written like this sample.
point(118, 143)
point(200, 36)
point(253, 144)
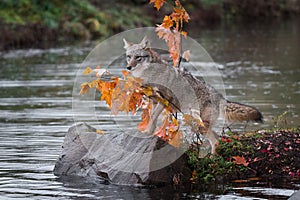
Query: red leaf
point(240, 160)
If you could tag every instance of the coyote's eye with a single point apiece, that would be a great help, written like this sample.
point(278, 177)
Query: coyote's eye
point(139, 58)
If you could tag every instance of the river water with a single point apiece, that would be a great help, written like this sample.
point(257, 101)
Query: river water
point(260, 65)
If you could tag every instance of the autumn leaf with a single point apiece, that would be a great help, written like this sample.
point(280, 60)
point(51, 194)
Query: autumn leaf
point(162, 130)
point(107, 89)
point(240, 160)
point(186, 55)
point(135, 101)
point(125, 73)
point(184, 33)
point(172, 39)
point(145, 118)
point(179, 13)
point(87, 71)
point(148, 91)
point(158, 3)
point(176, 140)
point(100, 72)
point(192, 121)
point(84, 88)
point(167, 22)
point(100, 132)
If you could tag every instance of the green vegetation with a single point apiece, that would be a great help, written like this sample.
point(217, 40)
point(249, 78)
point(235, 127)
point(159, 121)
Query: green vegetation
point(264, 153)
point(77, 17)
point(28, 23)
point(56, 20)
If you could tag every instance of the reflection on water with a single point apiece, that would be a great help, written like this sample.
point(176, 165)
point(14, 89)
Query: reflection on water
point(260, 67)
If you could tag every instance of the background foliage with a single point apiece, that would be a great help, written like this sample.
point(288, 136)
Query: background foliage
point(57, 20)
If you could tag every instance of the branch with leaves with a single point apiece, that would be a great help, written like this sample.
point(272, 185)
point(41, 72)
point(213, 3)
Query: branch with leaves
point(128, 94)
point(171, 28)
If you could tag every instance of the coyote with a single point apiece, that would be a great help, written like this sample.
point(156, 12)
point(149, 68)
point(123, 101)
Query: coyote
point(145, 63)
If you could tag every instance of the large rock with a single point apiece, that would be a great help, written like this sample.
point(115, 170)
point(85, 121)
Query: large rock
point(121, 158)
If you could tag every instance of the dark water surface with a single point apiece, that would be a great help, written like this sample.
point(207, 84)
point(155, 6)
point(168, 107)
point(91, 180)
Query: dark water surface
point(260, 66)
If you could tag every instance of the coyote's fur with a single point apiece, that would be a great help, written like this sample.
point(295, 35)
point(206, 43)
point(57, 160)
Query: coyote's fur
point(145, 63)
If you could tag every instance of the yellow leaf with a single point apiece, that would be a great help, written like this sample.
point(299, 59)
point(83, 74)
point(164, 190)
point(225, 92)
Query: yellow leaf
point(100, 132)
point(84, 88)
point(148, 91)
point(87, 71)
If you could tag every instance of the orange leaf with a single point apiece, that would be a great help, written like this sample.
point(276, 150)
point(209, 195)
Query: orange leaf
point(145, 118)
point(162, 131)
point(176, 140)
point(167, 22)
point(240, 160)
point(135, 100)
point(184, 33)
point(179, 13)
point(172, 39)
point(158, 3)
point(107, 89)
point(125, 73)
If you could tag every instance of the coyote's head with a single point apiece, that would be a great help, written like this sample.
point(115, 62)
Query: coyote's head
point(137, 54)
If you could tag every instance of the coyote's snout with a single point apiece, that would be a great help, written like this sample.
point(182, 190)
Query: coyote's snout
point(142, 60)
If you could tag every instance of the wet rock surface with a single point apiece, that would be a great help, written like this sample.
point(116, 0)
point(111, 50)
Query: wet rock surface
point(121, 158)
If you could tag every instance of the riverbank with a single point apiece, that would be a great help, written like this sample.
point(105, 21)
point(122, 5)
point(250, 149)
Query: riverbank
point(42, 24)
point(242, 157)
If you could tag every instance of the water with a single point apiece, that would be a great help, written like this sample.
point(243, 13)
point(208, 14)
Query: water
point(260, 66)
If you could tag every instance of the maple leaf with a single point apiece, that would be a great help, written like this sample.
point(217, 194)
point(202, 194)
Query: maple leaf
point(145, 118)
point(179, 13)
point(135, 100)
point(84, 88)
point(125, 73)
point(184, 33)
point(186, 55)
point(172, 39)
point(240, 160)
point(100, 72)
point(162, 130)
point(107, 89)
point(148, 91)
point(194, 122)
point(100, 132)
point(87, 71)
point(158, 3)
point(176, 140)
point(167, 22)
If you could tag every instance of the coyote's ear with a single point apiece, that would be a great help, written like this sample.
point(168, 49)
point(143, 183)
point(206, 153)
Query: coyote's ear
point(126, 44)
point(145, 43)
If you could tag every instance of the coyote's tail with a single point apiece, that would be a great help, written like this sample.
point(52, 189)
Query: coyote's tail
point(240, 112)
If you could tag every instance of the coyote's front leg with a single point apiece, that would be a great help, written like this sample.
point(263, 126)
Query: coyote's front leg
point(153, 119)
